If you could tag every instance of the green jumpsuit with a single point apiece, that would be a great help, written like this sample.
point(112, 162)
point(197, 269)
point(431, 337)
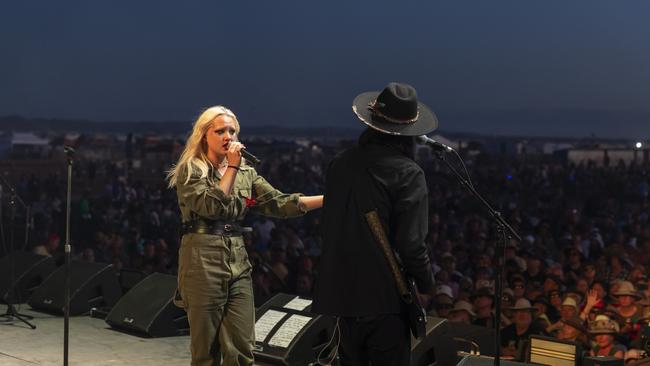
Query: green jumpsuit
point(214, 273)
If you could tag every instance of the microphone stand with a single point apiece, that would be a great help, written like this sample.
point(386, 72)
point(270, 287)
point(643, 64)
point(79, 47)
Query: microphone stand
point(69, 151)
point(10, 297)
point(504, 231)
point(28, 225)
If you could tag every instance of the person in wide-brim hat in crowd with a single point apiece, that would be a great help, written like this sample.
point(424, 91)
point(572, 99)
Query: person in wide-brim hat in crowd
point(628, 312)
point(574, 329)
point(462, 312)
point(603, 330)
point(520, 330)
point(574, 293)
point(443, 301)
point(568, 310)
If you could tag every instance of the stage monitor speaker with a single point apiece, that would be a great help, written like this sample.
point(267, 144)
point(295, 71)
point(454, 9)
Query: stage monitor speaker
point(282, 299)
point(444, 339)
point(130, 277)
point(553, 352)
point(436, 348)
point(602, 361)
point(147, 309)
point(474, 360)
point(29, 271)
point(286, 333)
point(464, 334)
point(91, 285)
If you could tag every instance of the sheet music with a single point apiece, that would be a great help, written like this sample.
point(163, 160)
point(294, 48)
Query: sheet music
point(288, 330)
point(265, 324)
point(298, 304)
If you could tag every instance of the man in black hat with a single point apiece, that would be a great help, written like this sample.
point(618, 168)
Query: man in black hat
point(355, 283)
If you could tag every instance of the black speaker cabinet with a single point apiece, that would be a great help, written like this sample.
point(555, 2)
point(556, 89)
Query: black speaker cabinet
point(462, 334)
point(286, 333)
point(29, 271)
point(91, 285)
point(472, 360)
point(147, 309)
point(436, 348)
point(444, 339)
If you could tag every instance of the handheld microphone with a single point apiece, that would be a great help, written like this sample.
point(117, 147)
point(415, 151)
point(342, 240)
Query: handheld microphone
point(68, 149)
point(250, 157)
point(435, 145)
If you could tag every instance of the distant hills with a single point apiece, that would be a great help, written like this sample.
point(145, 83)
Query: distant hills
point(20, 124)
point(605, 123)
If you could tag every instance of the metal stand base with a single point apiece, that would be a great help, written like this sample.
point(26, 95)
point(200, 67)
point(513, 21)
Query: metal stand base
point(13, 313)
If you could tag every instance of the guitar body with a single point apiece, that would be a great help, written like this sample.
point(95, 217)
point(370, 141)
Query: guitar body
point(417, 317)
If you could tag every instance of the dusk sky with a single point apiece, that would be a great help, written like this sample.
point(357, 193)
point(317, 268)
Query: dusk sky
point(302, 62)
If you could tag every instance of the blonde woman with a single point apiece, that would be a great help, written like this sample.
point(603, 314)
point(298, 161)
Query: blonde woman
point(216, 189)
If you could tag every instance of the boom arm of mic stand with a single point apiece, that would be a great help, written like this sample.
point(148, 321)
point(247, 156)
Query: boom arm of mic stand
point(502, 227)
point(465, 183)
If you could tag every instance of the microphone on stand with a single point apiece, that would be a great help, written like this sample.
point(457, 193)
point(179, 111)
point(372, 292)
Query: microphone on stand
point(435, 145)
point(68, 149)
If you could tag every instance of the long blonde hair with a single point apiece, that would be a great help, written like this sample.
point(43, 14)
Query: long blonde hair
point(194, 155)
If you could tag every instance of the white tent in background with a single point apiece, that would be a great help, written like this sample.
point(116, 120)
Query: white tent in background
point(28, 138)
point(28, 145)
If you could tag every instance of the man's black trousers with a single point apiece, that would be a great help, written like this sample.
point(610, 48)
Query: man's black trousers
point(383, 340)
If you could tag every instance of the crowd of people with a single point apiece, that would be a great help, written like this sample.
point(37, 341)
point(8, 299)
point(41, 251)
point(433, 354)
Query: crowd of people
point(580, 272)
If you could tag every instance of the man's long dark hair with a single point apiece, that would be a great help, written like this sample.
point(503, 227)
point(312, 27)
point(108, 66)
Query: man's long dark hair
point(405, 144)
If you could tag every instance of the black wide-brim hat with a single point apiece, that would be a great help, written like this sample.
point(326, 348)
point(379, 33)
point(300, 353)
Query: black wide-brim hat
point(395, 111)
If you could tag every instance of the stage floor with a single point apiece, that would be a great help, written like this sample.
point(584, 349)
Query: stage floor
point(92, 343)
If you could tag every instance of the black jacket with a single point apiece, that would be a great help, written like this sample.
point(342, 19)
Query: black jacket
point(354, 279)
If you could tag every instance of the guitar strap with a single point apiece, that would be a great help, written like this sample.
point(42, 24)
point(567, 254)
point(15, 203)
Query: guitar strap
point(363, 183)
